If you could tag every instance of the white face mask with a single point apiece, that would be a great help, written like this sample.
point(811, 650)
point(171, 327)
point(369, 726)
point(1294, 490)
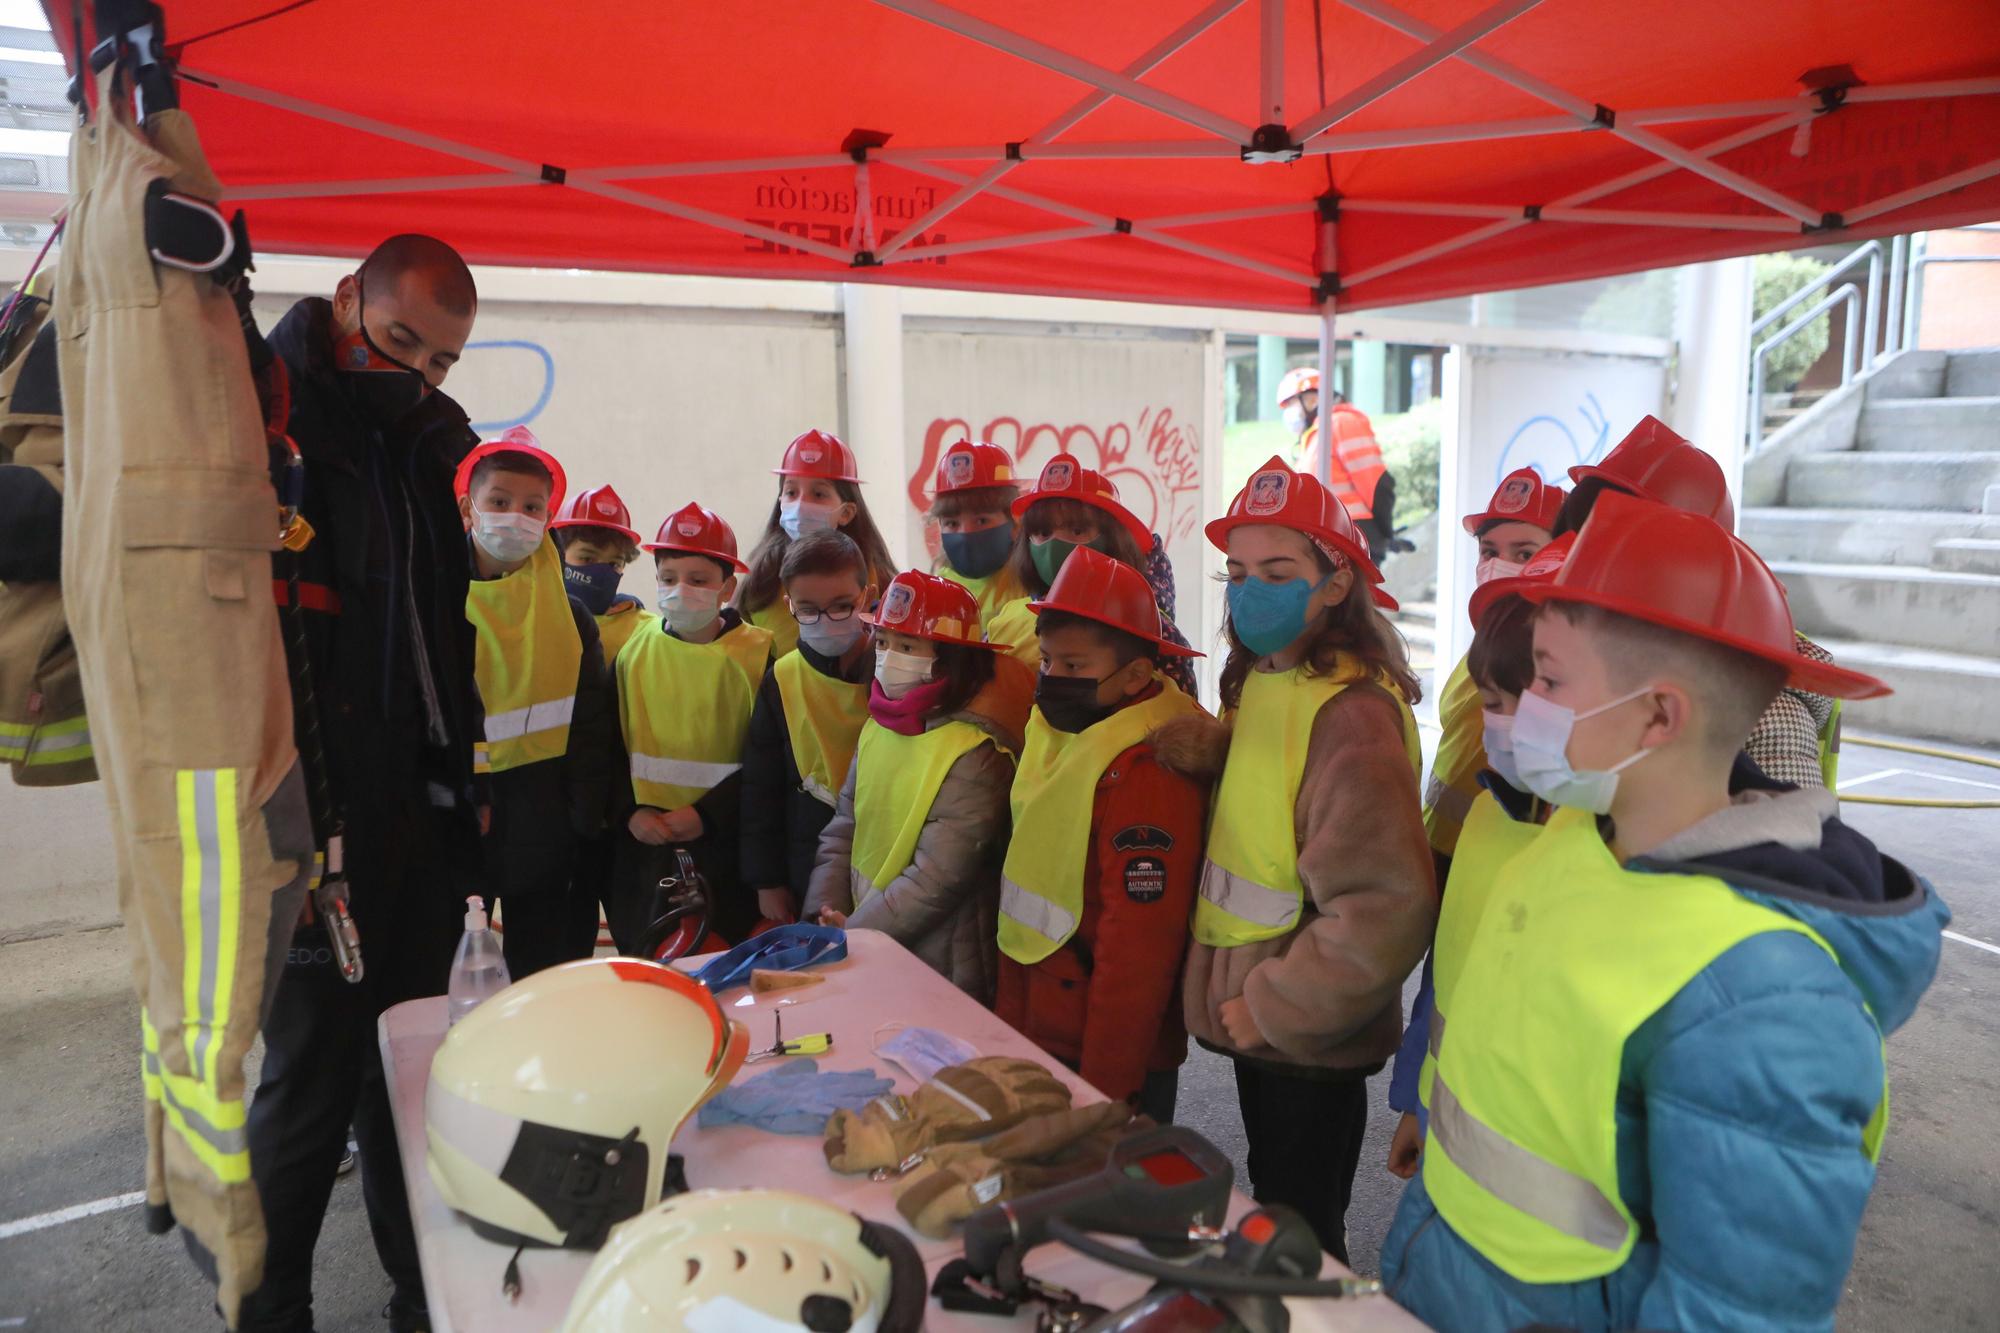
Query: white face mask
point(831, 638)
point(689, 610)
point(800, 516)
point(1541, 754)
point(507, 537)
point(899, 673)
point(1499, 738)
point(1493, 567)
point(1295, 417)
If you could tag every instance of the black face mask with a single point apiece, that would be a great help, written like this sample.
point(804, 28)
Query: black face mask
point(1069, 703)
point(596, 586)
point(386, 389)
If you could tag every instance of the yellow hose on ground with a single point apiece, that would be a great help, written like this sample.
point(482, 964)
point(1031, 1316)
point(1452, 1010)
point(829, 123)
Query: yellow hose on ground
point(1929, 751)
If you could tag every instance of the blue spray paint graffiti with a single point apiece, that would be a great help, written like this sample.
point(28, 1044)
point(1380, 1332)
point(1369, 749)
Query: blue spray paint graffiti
point(1551, 448)
point(548, 382)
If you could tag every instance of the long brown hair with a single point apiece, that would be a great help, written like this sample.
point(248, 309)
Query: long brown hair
point(1352, 626)
point(1045, 516)
point(763, 584)
point(965, 672)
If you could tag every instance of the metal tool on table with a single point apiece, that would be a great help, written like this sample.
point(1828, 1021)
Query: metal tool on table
point(813, 1043)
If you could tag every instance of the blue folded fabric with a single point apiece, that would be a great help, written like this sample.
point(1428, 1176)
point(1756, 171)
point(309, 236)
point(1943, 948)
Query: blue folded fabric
point(794, 1098)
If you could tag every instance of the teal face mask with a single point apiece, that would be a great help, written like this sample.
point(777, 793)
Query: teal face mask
point(1048, 556)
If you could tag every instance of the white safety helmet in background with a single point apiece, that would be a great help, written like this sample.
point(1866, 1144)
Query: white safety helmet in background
point(1296, 382)
point(551, 1105)
point(751, 1261)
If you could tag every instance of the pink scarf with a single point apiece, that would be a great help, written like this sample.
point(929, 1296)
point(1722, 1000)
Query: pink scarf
point(905, 716)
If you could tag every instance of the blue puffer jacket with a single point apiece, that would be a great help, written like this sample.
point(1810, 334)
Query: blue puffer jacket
point(1741, 1103)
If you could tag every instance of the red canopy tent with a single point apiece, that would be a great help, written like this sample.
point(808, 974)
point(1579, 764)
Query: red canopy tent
point(1273, 154)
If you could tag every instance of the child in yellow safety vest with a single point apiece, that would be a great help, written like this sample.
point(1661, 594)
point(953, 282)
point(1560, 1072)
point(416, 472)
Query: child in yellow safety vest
point(550, 752)
point(685, 691)
point(1500, 666)
point(914, 845)
point(1517, 522)
point(594, 533)
point(807, 721)
point(1099, 880)
point(819, 488)
point(1657, 1092)
point(1069, 506)
point(1317, 897)
point(972, 505)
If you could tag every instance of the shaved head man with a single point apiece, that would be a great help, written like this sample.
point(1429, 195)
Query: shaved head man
point(381, 590)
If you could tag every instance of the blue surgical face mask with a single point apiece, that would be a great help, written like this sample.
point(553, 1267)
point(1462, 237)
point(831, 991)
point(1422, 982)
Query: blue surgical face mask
point(831, 638)
point(978, 554)
point(596, 586)
point(1269, 616)
point(923, 1051)
point(800, 516)
point(1541, 753)
point(1498, 735)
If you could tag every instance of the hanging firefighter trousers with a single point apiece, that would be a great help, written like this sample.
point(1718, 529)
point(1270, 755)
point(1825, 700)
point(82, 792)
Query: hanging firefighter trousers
point(169, 520)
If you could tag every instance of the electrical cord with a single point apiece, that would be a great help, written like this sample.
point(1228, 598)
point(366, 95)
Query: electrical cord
point(1207, 1279)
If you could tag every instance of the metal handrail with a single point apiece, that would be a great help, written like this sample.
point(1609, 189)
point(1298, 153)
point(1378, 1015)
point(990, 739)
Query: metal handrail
point(1846, 293)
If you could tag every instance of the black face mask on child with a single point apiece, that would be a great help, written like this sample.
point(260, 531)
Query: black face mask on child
point(596, 586)
point(1069, 703)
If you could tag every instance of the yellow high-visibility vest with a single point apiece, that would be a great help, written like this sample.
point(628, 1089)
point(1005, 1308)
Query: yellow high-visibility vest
point(993, 592)
point(1250, 887)
point(616, 627)
point(895, 782)
point(1013, 627)
point(684, 709)
point(1572, 954)
point(1461, 755)
point(1055, 785)
point(1491, 839)
point(823, 717)
point(1829, 748)
point(776, 620)
point(526, 662)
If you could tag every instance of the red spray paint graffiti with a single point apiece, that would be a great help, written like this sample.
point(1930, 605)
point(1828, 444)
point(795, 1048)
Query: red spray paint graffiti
point(1154, 461)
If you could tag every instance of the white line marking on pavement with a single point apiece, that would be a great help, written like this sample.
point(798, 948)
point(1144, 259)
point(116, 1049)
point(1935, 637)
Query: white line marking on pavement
point(1868, 777)
point(1963, 782)
point(75, 1212)
point(1977, 944)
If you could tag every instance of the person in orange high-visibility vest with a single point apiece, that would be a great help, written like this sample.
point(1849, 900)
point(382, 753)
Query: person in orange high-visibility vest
point(1356, 474)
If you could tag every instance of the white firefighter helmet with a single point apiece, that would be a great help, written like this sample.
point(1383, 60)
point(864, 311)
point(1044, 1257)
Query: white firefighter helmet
point(734, 1261)
point(1296, 382)
point(551, 1105)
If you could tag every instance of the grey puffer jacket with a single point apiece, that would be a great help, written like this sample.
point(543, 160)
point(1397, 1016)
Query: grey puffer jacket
point(944, 907)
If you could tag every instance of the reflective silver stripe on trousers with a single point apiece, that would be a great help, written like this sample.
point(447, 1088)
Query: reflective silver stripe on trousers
point(1247, 898)
point(45, 744)
point(208, 838)
point(1512, 1174)
point(518, 722)
point(222, 1140)
point(679, 772)
point(1035, 912)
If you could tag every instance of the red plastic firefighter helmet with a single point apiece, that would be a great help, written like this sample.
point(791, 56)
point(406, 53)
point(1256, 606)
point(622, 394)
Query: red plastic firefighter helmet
point(1541, 569)
point(517, 440)
point(925, 606)
point(818, 453)
point(698, 531)
point(1296, 382)
point(1102, 588)
point(1523, 497)
point(1276, 496)
point(1064, 478)
point(971, 464)
point(598, 507)
point(1657, 464)
point(1681, 571)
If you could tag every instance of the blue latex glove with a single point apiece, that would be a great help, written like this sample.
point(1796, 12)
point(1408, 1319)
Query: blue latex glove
point(794, 1098)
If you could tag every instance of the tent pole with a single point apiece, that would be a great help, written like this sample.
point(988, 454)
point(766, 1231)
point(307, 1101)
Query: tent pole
point(1329, 263)
point(1942, 185)
point(1400, 73)
point(1271, 62)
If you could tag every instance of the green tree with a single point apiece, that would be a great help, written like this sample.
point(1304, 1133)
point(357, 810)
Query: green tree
point(1777, 277)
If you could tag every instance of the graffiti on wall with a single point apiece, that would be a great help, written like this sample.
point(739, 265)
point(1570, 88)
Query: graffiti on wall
point(1550, 446)
point(1153, 459)
point(528, 363)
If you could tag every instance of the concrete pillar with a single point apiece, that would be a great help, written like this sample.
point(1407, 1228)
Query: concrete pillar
point(1710, 402)
point(872, 407)
point(1270, 369)
point(1370, 389)
point(1457, 494)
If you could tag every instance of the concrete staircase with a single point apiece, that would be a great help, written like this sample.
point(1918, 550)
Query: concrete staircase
point(1880, 509)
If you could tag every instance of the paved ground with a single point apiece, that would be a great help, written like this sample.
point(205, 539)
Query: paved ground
point(69, 1103)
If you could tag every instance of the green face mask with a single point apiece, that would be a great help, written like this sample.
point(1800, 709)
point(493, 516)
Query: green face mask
point(1048, 556)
